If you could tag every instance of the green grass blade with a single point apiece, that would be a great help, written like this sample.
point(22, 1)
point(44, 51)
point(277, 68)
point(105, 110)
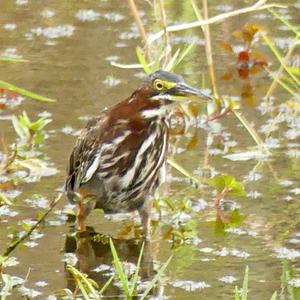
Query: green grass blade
point(172, 62)
point(183, 171)
point(106, 284)
point(13, 60)
point(156, 278)
point(84, 284)
point(82, 289)
point(136, 274)
point(119, 269)
point(285, 21)
point(284, 85)
point(142, 59)
point(184, 53)
point(274, 296)
point(251, 131)
point(245, 284)
point(280, 59)
point(236, 293)
point(24, 92)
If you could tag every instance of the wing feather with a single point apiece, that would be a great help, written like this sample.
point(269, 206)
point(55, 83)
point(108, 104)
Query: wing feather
point(85, 157)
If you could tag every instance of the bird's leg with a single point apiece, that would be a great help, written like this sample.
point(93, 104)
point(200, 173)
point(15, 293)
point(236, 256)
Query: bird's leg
point(81, 214)
point(145, 214)
point(86, 204)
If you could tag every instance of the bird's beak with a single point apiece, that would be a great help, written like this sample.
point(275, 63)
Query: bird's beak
point(182, 91)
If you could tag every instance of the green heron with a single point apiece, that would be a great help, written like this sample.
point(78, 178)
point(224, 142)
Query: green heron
point(118, 161)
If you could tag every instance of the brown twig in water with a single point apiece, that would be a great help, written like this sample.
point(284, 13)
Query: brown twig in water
point(208, 49)
point(40, 220)
point(140, 26)
point(9, 158)
point(166, 34)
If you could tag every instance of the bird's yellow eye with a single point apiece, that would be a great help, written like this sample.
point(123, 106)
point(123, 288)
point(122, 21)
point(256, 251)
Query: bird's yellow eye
point(158, 84)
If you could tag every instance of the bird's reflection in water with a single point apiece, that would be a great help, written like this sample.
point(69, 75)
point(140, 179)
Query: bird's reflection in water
point(92, 250)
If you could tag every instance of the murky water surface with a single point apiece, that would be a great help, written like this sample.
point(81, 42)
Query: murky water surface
point(69, 45)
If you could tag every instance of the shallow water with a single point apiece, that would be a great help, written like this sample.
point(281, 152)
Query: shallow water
point(69, 46)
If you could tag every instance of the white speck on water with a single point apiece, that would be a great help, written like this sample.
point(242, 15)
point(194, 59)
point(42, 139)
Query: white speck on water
point(200, 205)
point(295, 282)
point(189, 285)
point(254, 194)
point(205, 259)
point(87, 15)
point(15, 280)
point(45, 114)
point(41, 283)
point(67, 130)
point(35, 235)
point(102, 268)
point(114, 17)
point(223, 252)
point(234, 252)
point(239, 253)
point(253, 176)
point(272, 143)
point(293, 153)
point(261, 16)
point(206, 250)
point(111, 81)
point(47, 13)
point(70, 258)
point(30, 244)
point(21, 2)
point(11, 53)
point(227, 279)
point(295, 191)
point(240, 231)
point(224, 7)
point(55, 32)
point(247, 155)
point(294, 241)
point(292, 133)
point(29, 222)
point(10, 26)
point(112, 58)
point(285, 182)
point(38, 201)
point(6, 211)
point(290, 254)
point(11, 262)
point(293, 145)
point(31, 293)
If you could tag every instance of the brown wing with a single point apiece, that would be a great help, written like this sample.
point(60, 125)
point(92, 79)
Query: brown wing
point(84, 154)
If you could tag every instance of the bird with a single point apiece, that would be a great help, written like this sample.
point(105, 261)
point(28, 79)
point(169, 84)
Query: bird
point(118, 161)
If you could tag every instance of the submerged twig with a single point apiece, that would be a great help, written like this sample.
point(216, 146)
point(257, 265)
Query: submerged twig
point(283, 84)
point(183, 171)
point(251, 131)
point(29, 232)
point(281, 69)
point(9, 158)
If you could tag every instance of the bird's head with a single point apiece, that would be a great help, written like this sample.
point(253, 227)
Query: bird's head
point(168, 87)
